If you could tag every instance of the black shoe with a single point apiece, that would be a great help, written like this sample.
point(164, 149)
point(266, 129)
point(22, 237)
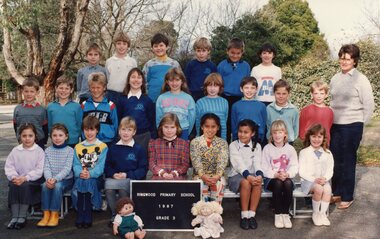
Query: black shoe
point(252, 223)
point(11, 224)
point(244, 224)
point(87, 225)
point(20, 225)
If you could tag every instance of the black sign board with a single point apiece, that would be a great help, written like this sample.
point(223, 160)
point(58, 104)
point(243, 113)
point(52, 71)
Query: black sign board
point(165, 205)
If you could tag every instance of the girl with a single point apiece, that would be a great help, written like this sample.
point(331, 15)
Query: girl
point(169, 154)
point(280, 165)
point(213, 102)
point(316, 169)
point(246, 175)
point(136, 103)
point(88, 166)
point(65, 111)
point(175, 98)
point(126, 160)
point(24, 168)
point(209, 156)
point(58, 175)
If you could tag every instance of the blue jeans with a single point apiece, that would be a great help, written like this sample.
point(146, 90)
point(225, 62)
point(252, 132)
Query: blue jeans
point(51, 198)
point(345, 141)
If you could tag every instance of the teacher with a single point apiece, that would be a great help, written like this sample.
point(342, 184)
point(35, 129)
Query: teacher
point(352, 103)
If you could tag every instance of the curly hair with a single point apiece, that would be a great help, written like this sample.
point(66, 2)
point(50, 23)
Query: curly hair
point(214, 206)
point(122, 201)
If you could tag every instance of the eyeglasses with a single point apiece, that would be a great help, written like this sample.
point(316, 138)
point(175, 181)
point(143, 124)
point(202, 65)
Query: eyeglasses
point(345, 60)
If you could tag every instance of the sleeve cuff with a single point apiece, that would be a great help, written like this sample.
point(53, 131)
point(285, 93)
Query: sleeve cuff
point(245, 173)
point(175, 173)
point(259, 173)
point(160, 172)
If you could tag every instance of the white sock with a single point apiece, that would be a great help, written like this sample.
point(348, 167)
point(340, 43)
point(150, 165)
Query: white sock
point(316, 205)
point(324, 206)
point(251, 214)
point(244, 214)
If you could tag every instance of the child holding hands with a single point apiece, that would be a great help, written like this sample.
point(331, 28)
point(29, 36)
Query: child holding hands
point(169, 154)
point(316, 169)
point(280, 165)
point(246, 175)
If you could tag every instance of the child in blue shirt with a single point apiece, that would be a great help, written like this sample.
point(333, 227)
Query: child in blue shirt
point(93, 55)
point(102, 108)
point(139, 106)
point(282, 109)
point(65, 111)
point(233, 70)
point(249, 108)
point(212, 103)
point(199, 68)
point(175, 99)
point(156, 68)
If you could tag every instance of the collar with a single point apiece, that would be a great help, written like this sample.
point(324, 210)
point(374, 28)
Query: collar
point(130, 144)
point(241, 145)
point(350, 73)
point(20, 147)
point(120, 58)
point(92, 100)
point(57, 101)
point(229, 61)
point(97, 141)
point(162, 58)
point(93, 66)
point(59, 146)
point(138, 94)
point(26, 105)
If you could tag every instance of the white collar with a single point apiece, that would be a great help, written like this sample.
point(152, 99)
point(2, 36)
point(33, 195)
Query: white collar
point(131, 143)
point(138, 94)
point(20, 147)
point(242, 144)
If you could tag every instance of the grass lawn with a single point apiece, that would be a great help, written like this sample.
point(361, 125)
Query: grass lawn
point(369, 156)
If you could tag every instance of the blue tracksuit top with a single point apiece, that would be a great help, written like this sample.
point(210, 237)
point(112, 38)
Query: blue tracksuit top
point(106, 113)
point(196, 73)
point(248, 109)
point(141, 109)
point(232, 74)
point(288, 114)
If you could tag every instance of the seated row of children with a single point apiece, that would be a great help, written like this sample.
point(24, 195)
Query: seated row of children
point(169, 158)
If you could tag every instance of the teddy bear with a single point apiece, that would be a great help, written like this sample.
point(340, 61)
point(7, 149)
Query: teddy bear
point(126, 223)
point(208, 215)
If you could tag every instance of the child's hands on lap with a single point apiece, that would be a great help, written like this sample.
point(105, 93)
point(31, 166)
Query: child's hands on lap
point(85, 174)
point(167, 175)
point(120, 175)
point(19, 180)
point(50, 183)
point(320, 181)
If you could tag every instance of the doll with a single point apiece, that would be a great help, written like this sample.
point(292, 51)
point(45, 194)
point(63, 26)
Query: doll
point(208, 215)
point(126, 224)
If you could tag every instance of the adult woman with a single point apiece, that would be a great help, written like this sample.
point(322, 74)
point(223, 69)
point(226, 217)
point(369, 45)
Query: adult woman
point(353, 104)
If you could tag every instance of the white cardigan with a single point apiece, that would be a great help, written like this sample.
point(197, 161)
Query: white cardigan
point(310, 167)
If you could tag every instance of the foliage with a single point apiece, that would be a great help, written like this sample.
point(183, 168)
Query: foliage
point(289, 25)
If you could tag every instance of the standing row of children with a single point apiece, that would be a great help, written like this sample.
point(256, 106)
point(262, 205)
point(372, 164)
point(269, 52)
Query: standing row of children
point(209, 153)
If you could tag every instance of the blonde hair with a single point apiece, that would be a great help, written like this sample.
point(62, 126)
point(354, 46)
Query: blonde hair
point(172, 74)
point(97, 77)
point(122, 36)
point(127, 122)
point(213, 79)
point(278, 125)
point(202, 43)
point(213, 206)
point(169, 118)
point(319, 84)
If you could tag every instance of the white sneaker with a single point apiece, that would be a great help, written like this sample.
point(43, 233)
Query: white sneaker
point(278, 221)
point(324, 220)
point(316, 217)
point(287, 222)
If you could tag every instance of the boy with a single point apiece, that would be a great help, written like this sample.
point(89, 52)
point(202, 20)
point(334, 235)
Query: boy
point(64, 110)
point(249, 108)
point(199, 68)
point(31, 111)
point(317, 112)
point(246, 175)
point(118, 67)
point(93, 55)
point(102, 108)
point(233, 70)
point(156, 68)
point(282, 109)
point(266, 73)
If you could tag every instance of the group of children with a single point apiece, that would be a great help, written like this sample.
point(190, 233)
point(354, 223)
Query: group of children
point(120, 109)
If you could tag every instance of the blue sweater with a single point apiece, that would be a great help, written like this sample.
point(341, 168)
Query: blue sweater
point(142, 110)
point(126, 159)
point(289, 115)
point(196, 73)
point(218, 106)
point(181, 104)
point(232, 74)
point(105, 112)
point(155, 71)
point(248, 109)
point(70, 115)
